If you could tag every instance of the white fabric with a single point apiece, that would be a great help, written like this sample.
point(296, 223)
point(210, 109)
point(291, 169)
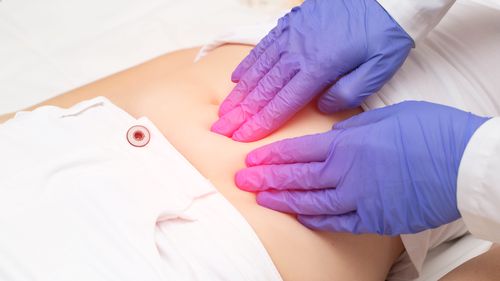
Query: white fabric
point(417, 17)
point(449, 255)
point(79, 202)
point(456, 64)
point(242, 34)
point(479, 182)
point(410, 264)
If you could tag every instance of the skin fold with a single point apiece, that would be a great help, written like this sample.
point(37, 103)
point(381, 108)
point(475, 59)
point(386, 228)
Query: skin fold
point(182, 99)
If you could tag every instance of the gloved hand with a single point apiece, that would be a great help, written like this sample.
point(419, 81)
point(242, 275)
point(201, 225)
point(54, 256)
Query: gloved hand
point(388, 171)
point(346, 50)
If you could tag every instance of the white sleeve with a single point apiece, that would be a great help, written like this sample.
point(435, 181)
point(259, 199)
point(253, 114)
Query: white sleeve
point(417, 17)
point(478, 190)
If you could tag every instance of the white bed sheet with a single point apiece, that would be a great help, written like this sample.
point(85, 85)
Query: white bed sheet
point(49, 47)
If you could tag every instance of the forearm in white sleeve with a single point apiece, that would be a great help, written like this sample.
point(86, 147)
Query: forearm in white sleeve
point(417, 17)
point(478, 190)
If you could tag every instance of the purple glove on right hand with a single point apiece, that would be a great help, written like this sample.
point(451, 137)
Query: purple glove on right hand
point(346, 50)
point(388, 171)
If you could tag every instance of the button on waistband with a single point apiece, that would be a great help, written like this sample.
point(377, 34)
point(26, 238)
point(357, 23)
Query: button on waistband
point(138, 136)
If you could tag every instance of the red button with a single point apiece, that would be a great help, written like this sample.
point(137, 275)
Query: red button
point(138, 136)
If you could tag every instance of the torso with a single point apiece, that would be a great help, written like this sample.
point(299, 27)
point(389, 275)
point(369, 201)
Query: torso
point(182, 99)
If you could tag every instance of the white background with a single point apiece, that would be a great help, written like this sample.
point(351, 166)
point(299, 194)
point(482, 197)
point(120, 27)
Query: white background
point(48, 47)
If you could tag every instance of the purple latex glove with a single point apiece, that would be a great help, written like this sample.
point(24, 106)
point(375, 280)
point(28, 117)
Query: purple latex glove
point(388, 171)
point(346, 50)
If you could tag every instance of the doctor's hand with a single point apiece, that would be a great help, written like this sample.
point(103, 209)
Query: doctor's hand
point(388, 171)
point(345, 50)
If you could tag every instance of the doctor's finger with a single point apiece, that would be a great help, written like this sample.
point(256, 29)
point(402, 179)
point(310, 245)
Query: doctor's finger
point(267, 87)
point(250, 79)
point(317, 202)
point(303, 176)
point(352, 88)
point(293, 97)
point(272, 82)
point(255, 53)
point(310, 148)
point(350, 223)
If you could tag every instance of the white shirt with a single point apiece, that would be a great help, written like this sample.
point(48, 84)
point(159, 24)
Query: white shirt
point(417, 17)
point(478, 191)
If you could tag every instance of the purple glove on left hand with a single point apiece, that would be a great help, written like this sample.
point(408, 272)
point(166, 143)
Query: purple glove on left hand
point(345, 50)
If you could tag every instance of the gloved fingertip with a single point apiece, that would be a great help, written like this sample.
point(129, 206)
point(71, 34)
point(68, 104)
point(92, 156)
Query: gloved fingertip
point(243, 181)
point(242, 136)
point(307, 221)
point(236, 75)
point(249, 132)
point(237, 137)
point(225, 107)
point(261, 156)
point(220, 127)
point(326, 106)
point(274, 201)
point(229, 122)
point(264, 199)
point(251, 159)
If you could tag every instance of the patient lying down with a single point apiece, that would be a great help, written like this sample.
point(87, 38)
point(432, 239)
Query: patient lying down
point(181, 100)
